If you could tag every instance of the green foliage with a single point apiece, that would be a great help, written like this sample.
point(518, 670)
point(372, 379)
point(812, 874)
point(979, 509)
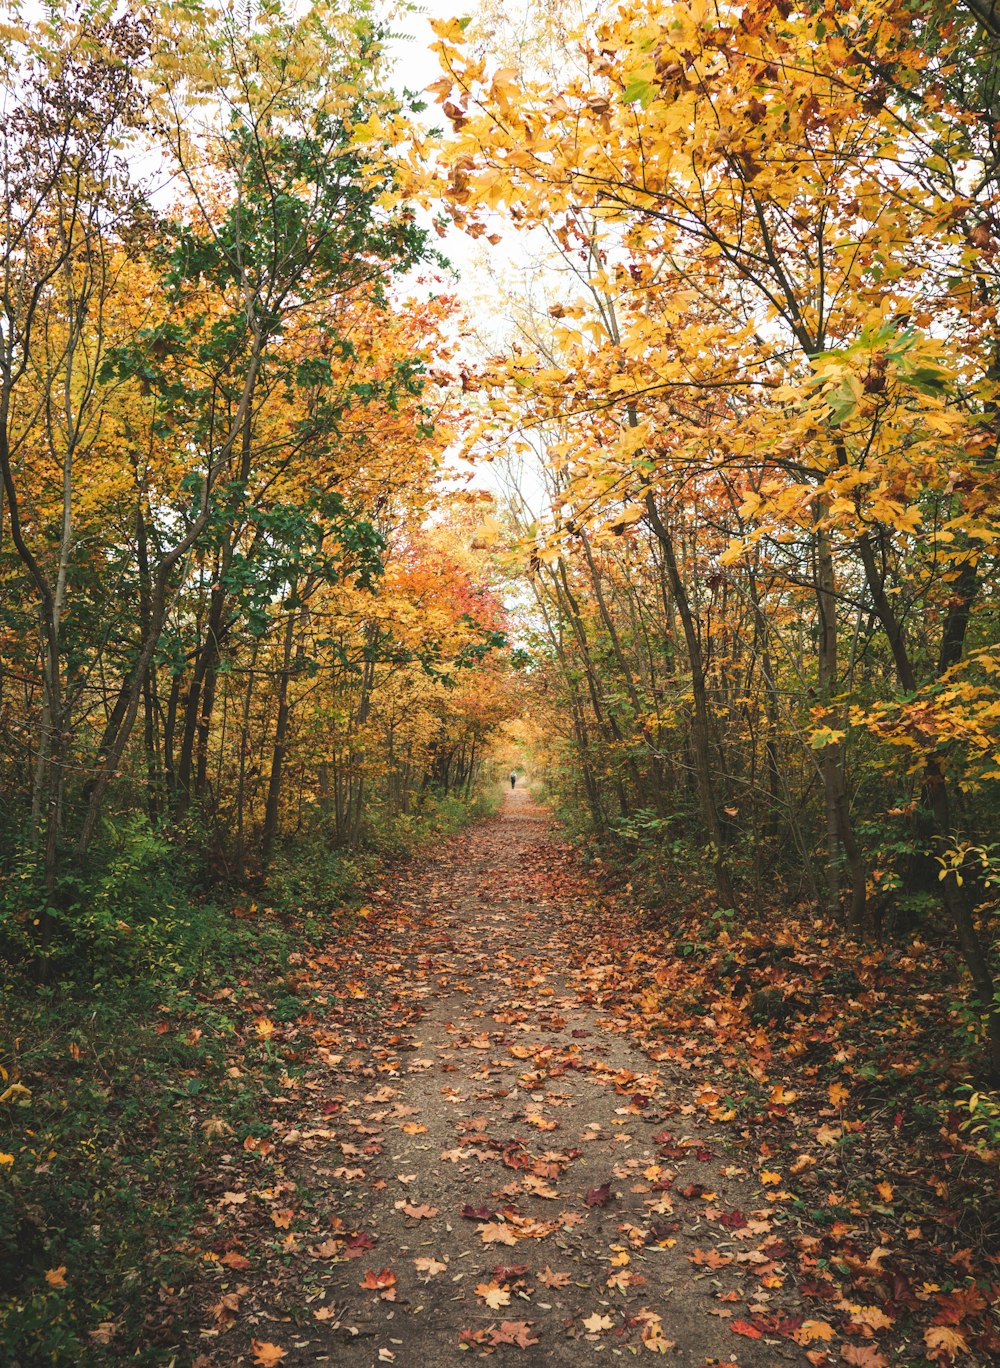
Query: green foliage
point(105, 1129)
point(130, 913)
point(313, 877)
point(436, 814)
point(982, 1123)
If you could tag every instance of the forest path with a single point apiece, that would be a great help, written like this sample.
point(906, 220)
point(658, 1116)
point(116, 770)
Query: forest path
point(497, 1170)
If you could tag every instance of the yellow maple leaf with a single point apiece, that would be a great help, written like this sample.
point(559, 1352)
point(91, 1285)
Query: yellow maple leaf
point(942, 1340)
point(493, 1295)
point(811, 1330)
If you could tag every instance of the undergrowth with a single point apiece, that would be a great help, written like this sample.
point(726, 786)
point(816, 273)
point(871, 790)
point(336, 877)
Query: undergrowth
point(114, 1083)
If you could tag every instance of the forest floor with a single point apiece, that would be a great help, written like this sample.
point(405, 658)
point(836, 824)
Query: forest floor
point(493, 1140)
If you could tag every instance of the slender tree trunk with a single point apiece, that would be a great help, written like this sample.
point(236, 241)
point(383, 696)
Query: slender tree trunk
point(840, 829)
point(699, 725)
point(272, 808)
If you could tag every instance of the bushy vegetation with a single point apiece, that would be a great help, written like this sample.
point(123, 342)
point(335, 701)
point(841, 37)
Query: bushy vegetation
point(140, 1049)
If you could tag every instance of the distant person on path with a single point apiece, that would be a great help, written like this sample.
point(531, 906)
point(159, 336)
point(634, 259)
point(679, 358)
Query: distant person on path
point(513, 778)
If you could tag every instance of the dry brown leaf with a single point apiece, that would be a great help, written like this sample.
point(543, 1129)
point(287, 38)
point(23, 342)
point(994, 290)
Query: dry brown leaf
point(550, 1279)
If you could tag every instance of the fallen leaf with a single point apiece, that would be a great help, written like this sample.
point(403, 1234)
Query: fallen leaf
point(863, 1356)
point(742, 1327)
point(495, 1233)
point(418, 1213)
point(811, 1330)
point(942, 1340)
point(549, 1279)
point(512, 1332)
point(266, 1355)
point(377, 1282)
point(493, 1295)
point(429, 1267)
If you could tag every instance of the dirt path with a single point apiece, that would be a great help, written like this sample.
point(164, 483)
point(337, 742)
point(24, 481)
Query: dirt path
point(497, 1171)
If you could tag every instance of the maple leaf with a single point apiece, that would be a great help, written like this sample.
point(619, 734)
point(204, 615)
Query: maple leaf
point(944, 1342)
point(418, 1213)
point(429, 1267)
point(871, 1318)
point(599, 1196)
point(596, 1323)
point(811, 1330)
point(378, 1281)
point(493, 1295)
point(863, 1356)
point(742, 1327)
point(233, 1260)
point(495, 1233)
point(652, 1334)
point(550, 1279)
point(710, 1258)
point(477, 1213)
point(517, 1333)
point(265, 1354)
point(56, 1277)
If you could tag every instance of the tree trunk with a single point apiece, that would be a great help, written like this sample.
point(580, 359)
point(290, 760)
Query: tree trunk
point(699, 722)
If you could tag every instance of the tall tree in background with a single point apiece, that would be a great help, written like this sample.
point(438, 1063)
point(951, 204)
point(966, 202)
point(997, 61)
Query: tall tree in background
point(781, 365)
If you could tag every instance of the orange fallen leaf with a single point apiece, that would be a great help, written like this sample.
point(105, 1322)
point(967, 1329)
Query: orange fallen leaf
point(550, 1279)
point(56, 1277)
point(377, 1282)
point(493, 1295)
point(811, 1330)
point(495, 1233)
point(429, 1267)
point(266, 1355)
point(418, 1213)
point(942, 1341)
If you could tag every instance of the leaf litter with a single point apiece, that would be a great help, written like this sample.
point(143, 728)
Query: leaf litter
point(498, 1086)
